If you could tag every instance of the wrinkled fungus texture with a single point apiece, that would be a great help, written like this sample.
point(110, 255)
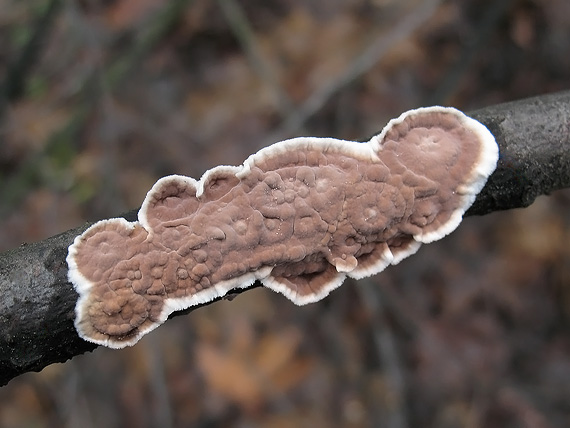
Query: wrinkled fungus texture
point(299, 215)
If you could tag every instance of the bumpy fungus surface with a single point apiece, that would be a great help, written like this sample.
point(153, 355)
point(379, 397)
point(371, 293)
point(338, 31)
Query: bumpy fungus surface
point(299, 216)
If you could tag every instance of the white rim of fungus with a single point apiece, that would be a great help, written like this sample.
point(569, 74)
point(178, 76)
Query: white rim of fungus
point(484, 166)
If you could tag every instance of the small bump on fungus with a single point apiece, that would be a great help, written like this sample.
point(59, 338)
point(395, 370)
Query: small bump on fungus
point(300, 216)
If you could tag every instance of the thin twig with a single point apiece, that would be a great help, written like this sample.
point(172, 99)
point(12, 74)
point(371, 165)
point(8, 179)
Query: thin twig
point(162, 412)
point(152, 32)
point(363, 62)
point(243, 32)
point(449, 82)
point(387, 353)
point(19, 71)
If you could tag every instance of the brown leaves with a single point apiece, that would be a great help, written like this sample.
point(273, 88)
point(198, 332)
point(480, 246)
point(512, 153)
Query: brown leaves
point(251, 373)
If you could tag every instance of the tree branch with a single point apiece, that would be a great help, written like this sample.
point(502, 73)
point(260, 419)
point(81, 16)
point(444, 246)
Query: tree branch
point(37, 303)
point(534, 156)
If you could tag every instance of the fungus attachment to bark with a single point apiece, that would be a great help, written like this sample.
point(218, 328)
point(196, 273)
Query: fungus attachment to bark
point(300, 216)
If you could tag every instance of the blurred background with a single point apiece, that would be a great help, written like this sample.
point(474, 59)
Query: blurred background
point(100, 98)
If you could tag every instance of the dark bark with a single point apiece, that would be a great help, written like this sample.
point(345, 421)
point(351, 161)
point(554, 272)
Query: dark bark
point(37, 302)
point(534, 140)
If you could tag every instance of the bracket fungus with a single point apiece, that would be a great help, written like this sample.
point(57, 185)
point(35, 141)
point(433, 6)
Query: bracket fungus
point(300, 216)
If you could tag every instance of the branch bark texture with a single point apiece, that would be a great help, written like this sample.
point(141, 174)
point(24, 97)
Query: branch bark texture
point(37, 302)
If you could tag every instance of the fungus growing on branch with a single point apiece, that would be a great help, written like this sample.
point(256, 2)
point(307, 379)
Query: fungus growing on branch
point(300, 216)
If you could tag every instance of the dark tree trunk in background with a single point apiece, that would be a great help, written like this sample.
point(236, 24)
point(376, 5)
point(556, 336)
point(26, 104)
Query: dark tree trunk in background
point(37, 302)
